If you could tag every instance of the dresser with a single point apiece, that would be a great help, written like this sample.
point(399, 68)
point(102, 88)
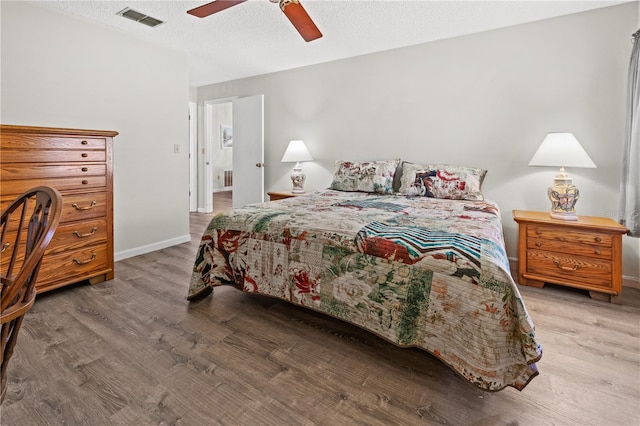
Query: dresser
point(281, 195)
point(584, 253)
point(78, 163)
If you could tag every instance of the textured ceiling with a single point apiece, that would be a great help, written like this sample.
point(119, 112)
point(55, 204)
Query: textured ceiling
point(255, 37)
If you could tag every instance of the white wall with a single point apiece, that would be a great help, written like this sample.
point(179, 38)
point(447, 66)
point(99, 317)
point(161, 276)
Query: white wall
point(60, 71)
point(484, 100)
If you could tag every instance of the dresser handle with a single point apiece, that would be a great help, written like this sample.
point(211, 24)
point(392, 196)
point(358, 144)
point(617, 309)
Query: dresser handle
point(84, 155)
point(538, 232)
point(598, 239)
point(566, 268)
point(597, 251)
point(538, 244)
point(79, 235)
point(84, 262)
point(93, 204)
point(84, 142)
point(85, 169)
point(5, 246)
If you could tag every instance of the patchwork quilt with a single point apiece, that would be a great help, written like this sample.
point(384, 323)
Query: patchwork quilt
point(417, 271)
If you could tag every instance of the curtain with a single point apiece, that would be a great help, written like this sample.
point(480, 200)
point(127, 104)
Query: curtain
point(629, 211)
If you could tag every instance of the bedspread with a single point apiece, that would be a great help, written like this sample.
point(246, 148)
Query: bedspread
point(416, 271)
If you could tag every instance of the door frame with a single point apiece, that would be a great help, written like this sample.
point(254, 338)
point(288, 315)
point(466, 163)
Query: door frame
point(209, 127)
point(193, 156)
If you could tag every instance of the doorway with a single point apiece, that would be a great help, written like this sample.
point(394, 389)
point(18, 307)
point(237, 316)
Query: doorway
point(218, 152)
point(233, 150)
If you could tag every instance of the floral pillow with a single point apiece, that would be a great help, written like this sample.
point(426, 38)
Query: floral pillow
point(365, 176)
point(442, 181)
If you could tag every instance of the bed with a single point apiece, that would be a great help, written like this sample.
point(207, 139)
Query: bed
point(419, 271)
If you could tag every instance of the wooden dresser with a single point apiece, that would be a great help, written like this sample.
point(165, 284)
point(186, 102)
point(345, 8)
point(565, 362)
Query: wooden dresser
point(584, 253)
point(281, 195)
point(78, 163)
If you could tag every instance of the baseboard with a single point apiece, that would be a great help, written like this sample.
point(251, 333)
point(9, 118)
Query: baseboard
point(627, 281)
point(121, 255)
point(223, 189)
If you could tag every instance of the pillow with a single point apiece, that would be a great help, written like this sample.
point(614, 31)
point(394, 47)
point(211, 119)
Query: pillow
point(442, 181)
point(365, 176)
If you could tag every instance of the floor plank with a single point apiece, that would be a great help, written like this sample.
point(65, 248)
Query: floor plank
point(133, 351)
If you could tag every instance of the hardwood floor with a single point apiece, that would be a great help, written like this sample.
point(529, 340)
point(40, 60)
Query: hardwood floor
point(133, 351)
point(222, 200)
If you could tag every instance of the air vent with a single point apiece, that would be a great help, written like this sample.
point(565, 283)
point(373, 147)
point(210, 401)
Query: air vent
point(140, 17)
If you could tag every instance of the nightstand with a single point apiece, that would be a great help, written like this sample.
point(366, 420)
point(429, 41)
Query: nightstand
point(584, 253)
point(281, 195)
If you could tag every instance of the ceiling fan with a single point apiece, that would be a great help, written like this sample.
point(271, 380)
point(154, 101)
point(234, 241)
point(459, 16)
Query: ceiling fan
point(291, 8)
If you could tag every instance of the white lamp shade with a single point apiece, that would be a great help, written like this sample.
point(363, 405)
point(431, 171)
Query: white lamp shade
point(561, 150)
point(296, 151)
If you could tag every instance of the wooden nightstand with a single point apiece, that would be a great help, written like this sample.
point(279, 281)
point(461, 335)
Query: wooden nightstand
point(584, 253)
point(281, 195)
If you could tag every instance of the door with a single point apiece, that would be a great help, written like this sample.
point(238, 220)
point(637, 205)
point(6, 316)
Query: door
point(248, 150)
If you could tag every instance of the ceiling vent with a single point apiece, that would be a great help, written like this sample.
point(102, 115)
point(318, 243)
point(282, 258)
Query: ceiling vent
point(140, 17)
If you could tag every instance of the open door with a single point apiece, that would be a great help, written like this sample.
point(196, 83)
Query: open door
point(248, 150)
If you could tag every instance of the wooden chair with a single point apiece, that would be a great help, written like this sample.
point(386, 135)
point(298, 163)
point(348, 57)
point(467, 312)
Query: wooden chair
point(28, 225)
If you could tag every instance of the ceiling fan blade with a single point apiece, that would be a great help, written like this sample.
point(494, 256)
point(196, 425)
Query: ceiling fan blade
point(213, 7)
point(300, 19)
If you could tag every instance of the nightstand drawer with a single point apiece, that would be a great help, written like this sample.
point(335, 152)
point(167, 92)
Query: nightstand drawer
point(578, 269)
point(569, 235)
point(588, 250)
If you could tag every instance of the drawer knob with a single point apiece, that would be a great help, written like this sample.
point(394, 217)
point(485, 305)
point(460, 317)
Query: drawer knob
point(85, 182)
point(575, 267)
point(85, 169)
point(538, 244)
point(538, 232)
point(75, 206)
point(84, 142)
point(79, 235)
point(84, 155)
point(598, 239)
point(84, 262)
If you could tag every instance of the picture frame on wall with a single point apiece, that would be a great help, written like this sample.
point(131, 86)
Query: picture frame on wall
point(226, 136)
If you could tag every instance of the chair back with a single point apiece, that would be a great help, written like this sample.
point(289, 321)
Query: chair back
point(27, 226)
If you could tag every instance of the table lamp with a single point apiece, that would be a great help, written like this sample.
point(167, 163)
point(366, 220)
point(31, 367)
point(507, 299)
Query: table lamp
point(295, 153)
point(562, 150)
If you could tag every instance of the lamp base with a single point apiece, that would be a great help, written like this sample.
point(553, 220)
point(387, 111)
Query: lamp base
point(297, 179)
point(563, 196)
point(564, 216)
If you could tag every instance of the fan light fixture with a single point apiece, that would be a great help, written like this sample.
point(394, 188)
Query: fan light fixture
point(297, 152)
point(560, 150)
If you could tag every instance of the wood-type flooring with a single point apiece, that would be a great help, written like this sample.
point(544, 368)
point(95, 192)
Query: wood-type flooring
point(133, 351)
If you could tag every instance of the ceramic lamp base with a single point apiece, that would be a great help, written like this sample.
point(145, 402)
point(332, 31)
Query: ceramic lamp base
point(563, 196)
point(297, 179)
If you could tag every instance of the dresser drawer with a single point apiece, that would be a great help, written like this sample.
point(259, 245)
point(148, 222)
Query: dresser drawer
point(41, 142)
point(569, 268)
point(80, 207)
point(77, 235)
point(569, 235)
point(20, 171)
point(52, 156)
point(73, 265)
point(589, 250)
point(72, 235)
point(75, 207)
point(17, 187)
